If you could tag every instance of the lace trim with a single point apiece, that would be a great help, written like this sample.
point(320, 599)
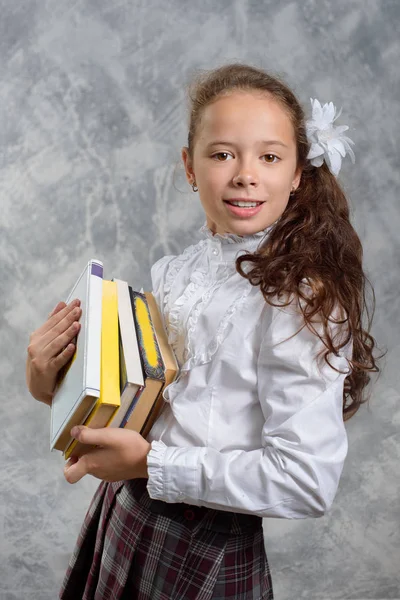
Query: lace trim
point(233, 238)
point(205, 357)
point(177, 263)
point(198, 277)
point(175, 331)
point(194, 316)
point(173, 314)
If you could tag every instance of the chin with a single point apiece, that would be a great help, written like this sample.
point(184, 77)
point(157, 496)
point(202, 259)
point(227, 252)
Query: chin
point(248, 228)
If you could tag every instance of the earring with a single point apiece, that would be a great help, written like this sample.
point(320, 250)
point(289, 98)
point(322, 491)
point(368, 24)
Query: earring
point(292, 193)
point(194, 186)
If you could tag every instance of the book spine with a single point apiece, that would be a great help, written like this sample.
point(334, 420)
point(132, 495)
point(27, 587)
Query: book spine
point(92, 357)
point(109, 379)
point(132, 406)
point(123, 377)
point(152, 362)
point(171, 365)
point(128, 334)
point(149, 352)
point(153, 414)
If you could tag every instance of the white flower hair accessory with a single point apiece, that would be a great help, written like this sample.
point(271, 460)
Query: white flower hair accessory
point(327, 141)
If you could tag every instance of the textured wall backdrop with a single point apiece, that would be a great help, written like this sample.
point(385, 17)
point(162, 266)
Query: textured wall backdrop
point(92, 120)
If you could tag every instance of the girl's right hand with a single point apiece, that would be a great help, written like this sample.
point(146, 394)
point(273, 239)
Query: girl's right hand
point(50, 348)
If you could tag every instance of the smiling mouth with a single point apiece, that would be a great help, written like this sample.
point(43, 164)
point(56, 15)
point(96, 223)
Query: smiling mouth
point(245, 202)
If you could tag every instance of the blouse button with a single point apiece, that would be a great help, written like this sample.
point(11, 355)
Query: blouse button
point(215, 251)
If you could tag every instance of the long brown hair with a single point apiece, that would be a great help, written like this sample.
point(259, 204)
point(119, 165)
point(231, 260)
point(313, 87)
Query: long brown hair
point(313, 241)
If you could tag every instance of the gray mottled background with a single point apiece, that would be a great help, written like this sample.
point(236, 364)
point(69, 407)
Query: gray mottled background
point(92, 120)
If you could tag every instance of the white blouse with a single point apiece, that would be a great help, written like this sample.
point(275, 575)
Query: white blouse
point(252, 424)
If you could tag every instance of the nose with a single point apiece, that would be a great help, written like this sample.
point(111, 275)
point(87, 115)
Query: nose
point(245, 177)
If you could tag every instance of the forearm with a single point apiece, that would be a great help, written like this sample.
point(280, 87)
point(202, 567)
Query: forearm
point(265, 482)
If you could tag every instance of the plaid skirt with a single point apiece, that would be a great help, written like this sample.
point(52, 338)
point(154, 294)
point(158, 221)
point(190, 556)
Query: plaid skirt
point(134, 548)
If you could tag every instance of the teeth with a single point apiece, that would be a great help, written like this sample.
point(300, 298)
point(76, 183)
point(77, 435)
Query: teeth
point(245, 204)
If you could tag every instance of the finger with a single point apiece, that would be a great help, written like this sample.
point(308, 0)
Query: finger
point(75, 469)
point(63, 357)
point(56, 354)
point(57, 309)
point(56, 316)
point(49, 341)
point(106, 436)
point(65, 313)
point(71, 461)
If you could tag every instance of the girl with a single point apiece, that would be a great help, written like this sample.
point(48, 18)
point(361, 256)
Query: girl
point(265, 317)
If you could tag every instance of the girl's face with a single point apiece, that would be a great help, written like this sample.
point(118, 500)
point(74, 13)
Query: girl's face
point(244, 149)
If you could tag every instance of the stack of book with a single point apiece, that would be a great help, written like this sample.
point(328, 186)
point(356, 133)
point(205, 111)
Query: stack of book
point(121, 365)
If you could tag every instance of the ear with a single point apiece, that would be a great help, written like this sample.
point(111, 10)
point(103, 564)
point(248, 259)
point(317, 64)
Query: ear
point(297, 177)
point(187, 163)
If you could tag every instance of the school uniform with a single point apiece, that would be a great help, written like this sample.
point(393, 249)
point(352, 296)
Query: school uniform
point(251, 428)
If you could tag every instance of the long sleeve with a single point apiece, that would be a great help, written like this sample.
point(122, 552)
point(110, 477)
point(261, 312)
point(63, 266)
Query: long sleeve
point(158, 273)
point(296, 470)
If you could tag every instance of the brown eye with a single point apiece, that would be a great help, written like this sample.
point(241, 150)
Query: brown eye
point(221, 154)
point(272, 156)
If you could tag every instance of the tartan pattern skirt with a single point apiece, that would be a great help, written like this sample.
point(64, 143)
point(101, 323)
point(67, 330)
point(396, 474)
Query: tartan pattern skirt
point(132, 547)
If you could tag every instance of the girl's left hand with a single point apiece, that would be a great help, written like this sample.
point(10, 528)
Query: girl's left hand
point(120, 454)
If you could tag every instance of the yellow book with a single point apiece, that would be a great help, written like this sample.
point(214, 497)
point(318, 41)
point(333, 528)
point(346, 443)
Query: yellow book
point(110, 400)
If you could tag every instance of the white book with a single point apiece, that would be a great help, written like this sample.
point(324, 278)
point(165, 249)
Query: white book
point(79, 387)
point(131, 373)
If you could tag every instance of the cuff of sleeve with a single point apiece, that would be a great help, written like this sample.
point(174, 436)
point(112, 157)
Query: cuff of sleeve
point(155, 463)
point(173, 473)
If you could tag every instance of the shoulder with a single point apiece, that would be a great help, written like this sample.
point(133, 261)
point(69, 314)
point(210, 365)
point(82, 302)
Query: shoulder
point(285, 323)
point(161, 265)
point(159, 270)
point(165, 268)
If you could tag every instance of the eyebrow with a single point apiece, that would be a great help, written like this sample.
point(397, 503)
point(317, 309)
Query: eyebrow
point(264, 142)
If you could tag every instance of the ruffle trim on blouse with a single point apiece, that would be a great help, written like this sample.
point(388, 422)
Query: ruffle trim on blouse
point(173, 314)
point(194, 316)
point(175, 333)
point(155, 463)
point(207, 355)
point(233, 238)
point(176, 265)
point(176, 337)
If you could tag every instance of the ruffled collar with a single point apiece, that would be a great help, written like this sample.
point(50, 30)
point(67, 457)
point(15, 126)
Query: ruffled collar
point(233, 238)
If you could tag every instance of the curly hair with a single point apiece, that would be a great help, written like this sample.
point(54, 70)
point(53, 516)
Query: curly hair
point(313, 241)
